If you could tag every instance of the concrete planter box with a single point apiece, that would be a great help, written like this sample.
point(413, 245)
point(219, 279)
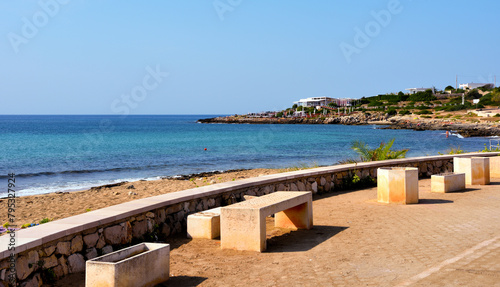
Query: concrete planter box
point(145, 264)
point(476, 169)
point(447, 182)
point(495, 166)
point(397, 185)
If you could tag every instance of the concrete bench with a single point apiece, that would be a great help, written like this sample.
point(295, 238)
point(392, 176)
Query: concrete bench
point(447, 182)
point(243, 225)
point(206, 224)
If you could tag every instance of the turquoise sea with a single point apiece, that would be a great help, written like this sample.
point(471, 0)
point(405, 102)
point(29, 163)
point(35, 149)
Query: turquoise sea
point(59, 153)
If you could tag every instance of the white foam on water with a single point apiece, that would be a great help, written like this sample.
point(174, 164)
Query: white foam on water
point(73, 186)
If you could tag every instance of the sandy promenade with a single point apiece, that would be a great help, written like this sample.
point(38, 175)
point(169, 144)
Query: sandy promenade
point(32, 209)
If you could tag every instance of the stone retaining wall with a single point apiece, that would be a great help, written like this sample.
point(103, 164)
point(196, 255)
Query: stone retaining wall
point(69, 242)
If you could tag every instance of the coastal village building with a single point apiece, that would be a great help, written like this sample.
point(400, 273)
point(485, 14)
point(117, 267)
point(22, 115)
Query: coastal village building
point(323, 101)
point(471, 86)
point(314, 101)
point(416, 90)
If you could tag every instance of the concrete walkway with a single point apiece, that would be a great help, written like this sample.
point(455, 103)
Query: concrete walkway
point(448, 239)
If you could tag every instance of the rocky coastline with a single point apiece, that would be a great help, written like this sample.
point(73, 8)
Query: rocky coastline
point(477, 128)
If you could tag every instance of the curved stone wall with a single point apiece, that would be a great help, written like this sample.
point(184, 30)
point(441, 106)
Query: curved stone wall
point(62, 246)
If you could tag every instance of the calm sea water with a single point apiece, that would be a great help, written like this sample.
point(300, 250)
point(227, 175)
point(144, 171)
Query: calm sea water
point(53, 153)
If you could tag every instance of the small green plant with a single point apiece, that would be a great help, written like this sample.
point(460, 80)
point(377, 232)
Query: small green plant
point(88, 209)
point(193, 181)
point(49, 276)
point(453, 150)
point(45, 220)
point(6, 224)
point(26, 225)
point(493, 149)
point(383, 152)
point(353, 181)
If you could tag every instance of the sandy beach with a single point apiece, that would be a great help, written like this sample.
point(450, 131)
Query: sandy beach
point(32, 209)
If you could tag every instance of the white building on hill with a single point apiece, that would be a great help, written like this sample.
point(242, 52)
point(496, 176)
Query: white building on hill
point(471, 86)
point(416, 90)
point(314, 101)
point(322, 101)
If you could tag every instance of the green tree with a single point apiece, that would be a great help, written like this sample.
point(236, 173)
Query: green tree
point(474, 94)
point(449, 88)
point(383, 152)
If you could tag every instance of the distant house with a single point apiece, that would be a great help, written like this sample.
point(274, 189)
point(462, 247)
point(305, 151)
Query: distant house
point(471, 86)
point(315, 101)
point(416, 90)
point(322, 101)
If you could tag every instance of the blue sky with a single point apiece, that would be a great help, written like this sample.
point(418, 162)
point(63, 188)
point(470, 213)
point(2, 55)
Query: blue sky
point(234, 56)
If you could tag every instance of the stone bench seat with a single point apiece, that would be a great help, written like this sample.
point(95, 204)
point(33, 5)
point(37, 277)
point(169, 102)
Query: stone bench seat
point(243, 225)
point(206, 224)
point(447, 182)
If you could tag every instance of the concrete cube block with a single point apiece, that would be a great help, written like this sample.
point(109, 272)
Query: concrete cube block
point(447, 182)
point(495, 167)
point(397, 185)
point(476, 169)
point(204, 224)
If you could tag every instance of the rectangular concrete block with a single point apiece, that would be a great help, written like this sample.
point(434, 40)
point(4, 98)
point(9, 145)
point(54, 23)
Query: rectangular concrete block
point(243, 225)
point(397, 185)
point(447, 182)
point(495, 167)
point(145, 264)
point(205, 224)
point(476, 169)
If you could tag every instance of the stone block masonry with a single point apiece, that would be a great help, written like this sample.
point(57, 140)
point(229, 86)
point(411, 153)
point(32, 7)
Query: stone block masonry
point(64, 245)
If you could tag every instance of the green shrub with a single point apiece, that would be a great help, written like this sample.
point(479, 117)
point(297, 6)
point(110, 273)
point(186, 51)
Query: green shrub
point(392, 111)
point(45, 220)
point(404, 112)
point(423, 112)
point(383, 152)
point(422, 96)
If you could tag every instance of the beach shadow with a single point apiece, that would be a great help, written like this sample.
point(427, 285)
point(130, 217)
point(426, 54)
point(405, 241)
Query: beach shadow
point(433, 201)
point(302, 239)
point(188, 281)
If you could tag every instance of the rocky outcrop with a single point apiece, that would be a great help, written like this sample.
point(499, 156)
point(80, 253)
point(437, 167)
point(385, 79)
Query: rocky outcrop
point(353, 119)
point(396, 122)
